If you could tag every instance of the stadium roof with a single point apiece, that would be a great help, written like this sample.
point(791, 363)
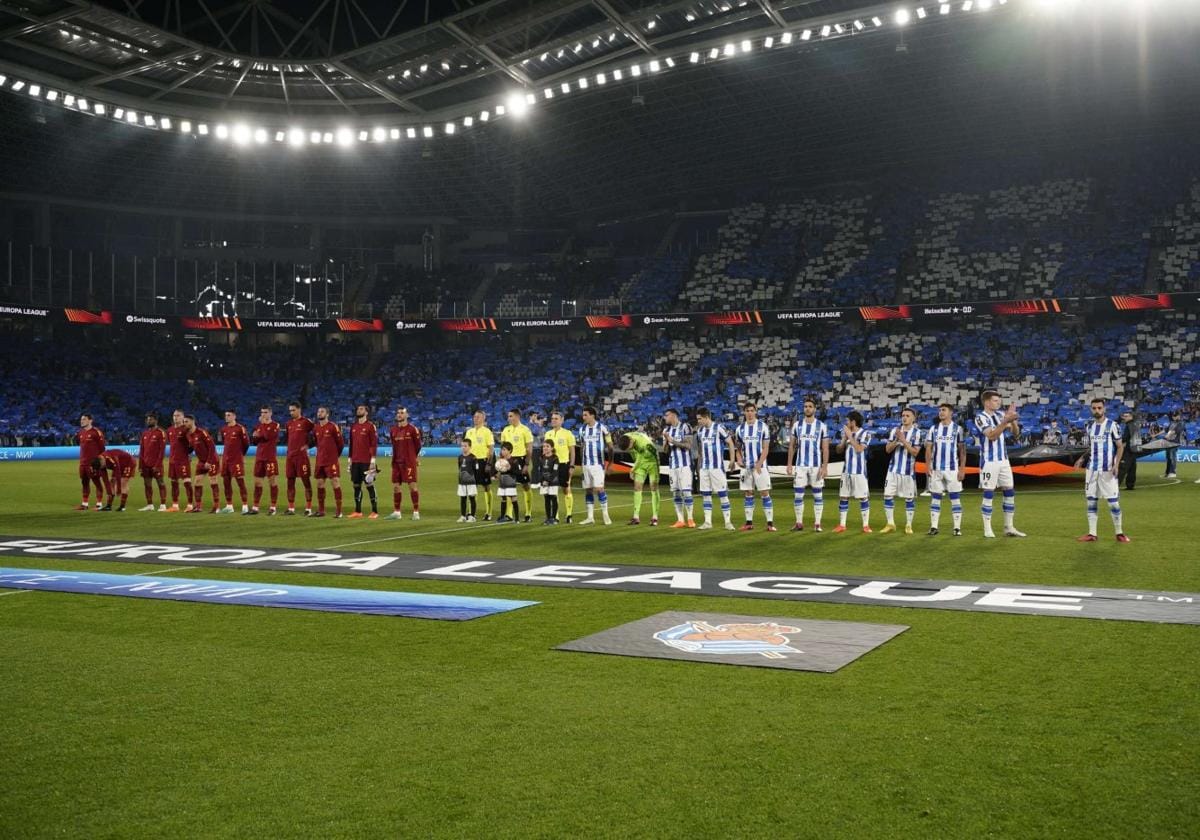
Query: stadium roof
point(946, 87)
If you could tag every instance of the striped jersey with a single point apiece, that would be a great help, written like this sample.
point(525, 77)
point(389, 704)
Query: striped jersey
point(902, 462)
point(679, 456)
point(1102, 443)
point(990, 450)
point(712, 439)
point(944, 439)
point(856, 462)
point(591, 440)
point(808, 435)
point(754, 439)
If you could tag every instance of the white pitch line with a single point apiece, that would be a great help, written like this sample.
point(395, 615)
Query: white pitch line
point(135, 574)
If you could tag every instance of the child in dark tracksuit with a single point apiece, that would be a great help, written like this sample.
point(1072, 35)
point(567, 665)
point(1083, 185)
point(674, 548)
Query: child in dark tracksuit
point(549, 479)
point(466, 483)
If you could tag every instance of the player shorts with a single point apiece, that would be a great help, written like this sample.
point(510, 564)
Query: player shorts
point(854, 486)
point(233, 469)
point(564, 476)
point(125, 472)
point(358, 472)
point(519, 467)
point(333, 470)
point(482, 476)
point(944, 481)
point(151, 471)
point(647, 474)
point(1101, 484)
point(467, 490)
point(266, 469)
point(298, 466)
point(808, 477)
point(549, 489)
point(904, 486)
point(404, 473)
point(507, 492)
point(680, 478)
point(593, 476)
point(212, 468)
point(755, 480)
point(713, 481)
point(86, 471)
point(995, 474)
point(176, 470)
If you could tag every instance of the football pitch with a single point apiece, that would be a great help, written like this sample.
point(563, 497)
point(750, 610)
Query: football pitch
point(126, 717)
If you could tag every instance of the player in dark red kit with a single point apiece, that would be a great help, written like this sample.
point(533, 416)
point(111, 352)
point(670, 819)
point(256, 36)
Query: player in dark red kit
point(233, 460)
point(179, 463)
point(150, 462)
point(299, 438)
point(91, 444)
point(266, 462)
point(207, 464)
point(406, 446)
point(121, 464)
point(364, 441)
point(329, 448)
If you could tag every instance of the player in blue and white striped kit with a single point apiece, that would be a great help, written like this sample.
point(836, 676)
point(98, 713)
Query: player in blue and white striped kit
point(1103, 458)
point(994, 469)
point(946, 460)
point(808, 462)
point(854, 442)
point(904, 445)
point(753, 438)
point(714, 442)
point(596, 443)
point(677, 440)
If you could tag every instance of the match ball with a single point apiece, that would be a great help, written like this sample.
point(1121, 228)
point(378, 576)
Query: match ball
point(502, 465)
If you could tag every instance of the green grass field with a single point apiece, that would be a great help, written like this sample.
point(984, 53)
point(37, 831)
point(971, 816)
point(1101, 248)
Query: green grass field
point(126, 717)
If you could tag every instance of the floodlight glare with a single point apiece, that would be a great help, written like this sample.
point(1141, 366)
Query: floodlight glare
point(3, 79)
point(618, 75)
point(412, 133)
point(35, 90)
point(345, 136)
point(565, 87)
point(921, 12)
point(81, 104)
point(327, 137)
point(315, 137)
point(165, 122)
point(877, 21)
point(185, 127)
point(583, 83)
point(222, 131)
point(806, 34)
point(203, 129)
point(730, 49)
point(295, 136)
point(838, 28)
point(517, 104)
point(945, 9)
point(548, 93)
point(131, 117)
point(654, 65)
point(530, 99)
point(395, 132)
point(714, 52)
point(786, 38)
point(694, 58)
point(68, 100)
point(241, 134)
point(902, 16)
point(18, 85)
point(362, 136)
point(768, 42)
point(825, 30)
point(260, 135)
point(635, 70)
point(467, 122)
point(148, 121)
point(379, 134)
point(670, 62)
point(450, 128)
point(52, 95)
point(500, 111)
point(427, 131)
point(858, 25)
point(280, 136)
point(484, 116)
point(601, 79)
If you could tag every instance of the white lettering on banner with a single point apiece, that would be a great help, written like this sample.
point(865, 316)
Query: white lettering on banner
point(291, 557)
point(21, 310)
point(213, 555)
point(791, 585)
point(289, 325)
point(60, 548)
point(1040, 599)
point(878, 590)
point(29, 543)
point(678, 319)
point(130, 551)
point(808, 316)
point(555, 573)
point(458, 569)
point(142, 319)
point(360, 564)
point(674, 580)
point(555, 322)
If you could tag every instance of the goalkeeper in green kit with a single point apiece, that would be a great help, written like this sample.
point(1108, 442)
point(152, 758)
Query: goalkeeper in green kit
point(645, 471)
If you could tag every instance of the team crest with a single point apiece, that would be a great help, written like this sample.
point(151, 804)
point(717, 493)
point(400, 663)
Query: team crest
point(768, 639)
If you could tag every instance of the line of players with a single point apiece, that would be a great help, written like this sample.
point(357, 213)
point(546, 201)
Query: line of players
point(546, 462)
point(110, 471)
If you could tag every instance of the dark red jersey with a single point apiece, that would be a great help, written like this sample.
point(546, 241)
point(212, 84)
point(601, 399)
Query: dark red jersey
point(202, 444)
point(406, 443)
point(236, 441)
point(154, 446)
point(364, 440)
point(119, 460)
point(177, 437)
point(298, 431)
point(91, 444)
point(266, 438)
point(329, 443)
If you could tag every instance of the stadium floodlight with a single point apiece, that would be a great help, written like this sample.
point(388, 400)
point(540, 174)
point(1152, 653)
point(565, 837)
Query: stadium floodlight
point(202, 129)
point(35, 90)
point(825, 30)
point(3, 79)
point(395, 132)
point(902, 17)
point(427, 131)
point(52, 95)
point(131, 117)
point(500, 111)
point(618, 75)
point(878, 23)
point(81, 104)
point(327, 137)
point(577, 48)
point(544, 56)
point(530, 99)
point(424, 67)
point(785, 38)
point(595, 43)
point(185, 127)
point(411, 132)
point(18, 85)
point(165, 123)
point(768, 42)
point(295, 136)
point(445, 65)
point(920, 12)
point(689, 17)
point(650, 24)
point(260, 135)
point(729, 49)
point(119, 114)
point(280, 136)
point(222, 131)
point(148, 121)
point(583, 82)
point(484, 116)
point(451, 128)
point(344, 136)
point(838, 28)
point(516, 103)
point(68, 100)
point(966, 6)
point(468, 122)
point(241, 134)
point(314, 137)
point(560, 53)
point(747, 46)
point(858, 25)
point(670, 62)
point(565, 87)
point(694, 58)
point(945, 9)
point(362, 136)
point(635, 70)
point(379, 134)
point(601, 79)
point(548, 93)
point(407, 72)
point(714, 52)
point(654, 65)
point(806, 34)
